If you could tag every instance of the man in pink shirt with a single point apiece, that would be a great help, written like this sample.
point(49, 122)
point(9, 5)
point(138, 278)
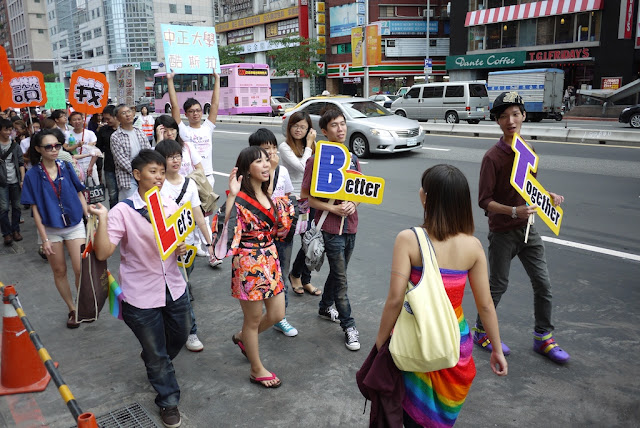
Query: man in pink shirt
point(155, 306)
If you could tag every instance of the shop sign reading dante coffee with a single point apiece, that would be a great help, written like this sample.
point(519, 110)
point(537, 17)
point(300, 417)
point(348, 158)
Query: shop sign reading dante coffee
point(495, 60)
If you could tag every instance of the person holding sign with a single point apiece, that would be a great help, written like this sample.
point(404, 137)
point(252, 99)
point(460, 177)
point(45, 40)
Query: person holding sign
point(252, 222)
point(156, 304)
point(86, 153)
point(11, 179)
point(508, 217)
point(180, 190)
point(339, 232)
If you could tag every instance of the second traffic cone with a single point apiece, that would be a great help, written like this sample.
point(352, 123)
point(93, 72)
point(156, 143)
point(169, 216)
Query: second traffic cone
point(87, 420)
point(22, 369)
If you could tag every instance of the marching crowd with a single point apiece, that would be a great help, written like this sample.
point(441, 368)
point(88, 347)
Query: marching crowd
point(48, 165)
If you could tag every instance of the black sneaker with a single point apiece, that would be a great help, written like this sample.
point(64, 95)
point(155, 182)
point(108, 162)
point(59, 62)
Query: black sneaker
point(170, 417)
point(329, 313)
point(352, 339)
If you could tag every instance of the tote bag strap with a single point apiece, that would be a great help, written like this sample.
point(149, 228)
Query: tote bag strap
point(428, 253)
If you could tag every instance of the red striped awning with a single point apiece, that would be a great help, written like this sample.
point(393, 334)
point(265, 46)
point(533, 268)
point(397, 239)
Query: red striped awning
point(530, 10)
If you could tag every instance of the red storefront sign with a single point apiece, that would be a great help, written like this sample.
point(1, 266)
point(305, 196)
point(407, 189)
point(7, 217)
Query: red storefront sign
point(625, 24)
point(558, 55)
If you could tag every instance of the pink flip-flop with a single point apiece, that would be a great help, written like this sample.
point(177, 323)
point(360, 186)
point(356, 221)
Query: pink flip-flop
point(259, 380)
point(240, 345)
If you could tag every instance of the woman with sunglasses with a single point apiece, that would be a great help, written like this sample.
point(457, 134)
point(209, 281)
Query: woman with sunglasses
point(56, 196)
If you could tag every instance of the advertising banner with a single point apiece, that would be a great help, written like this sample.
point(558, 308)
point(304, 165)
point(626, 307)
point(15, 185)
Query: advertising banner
point(342, 19)
point(356, 46)
point(374, 50)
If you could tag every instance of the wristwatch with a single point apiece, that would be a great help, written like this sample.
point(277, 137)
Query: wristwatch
point(514, 214)
point(207, 245)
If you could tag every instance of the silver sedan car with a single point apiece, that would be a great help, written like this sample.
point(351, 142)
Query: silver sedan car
point(371, 128)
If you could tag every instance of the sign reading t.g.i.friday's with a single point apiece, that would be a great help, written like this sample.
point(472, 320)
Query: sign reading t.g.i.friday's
point(522, 179)
point(332, 178)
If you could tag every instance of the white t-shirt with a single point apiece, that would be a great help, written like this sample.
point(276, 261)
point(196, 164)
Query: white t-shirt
point(172, 191)
point(202, 139)
point(190, 158)
point(133, 142)
point(24, 145)
point(88, 138)
point(283, 185)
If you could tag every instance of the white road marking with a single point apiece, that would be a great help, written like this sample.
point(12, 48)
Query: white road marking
point(592, 248)
point(436, 149)
point(233, 132)
point(363, 162)
point(223, 174)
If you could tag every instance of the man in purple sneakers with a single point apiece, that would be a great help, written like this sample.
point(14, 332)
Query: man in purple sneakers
point(508, 216)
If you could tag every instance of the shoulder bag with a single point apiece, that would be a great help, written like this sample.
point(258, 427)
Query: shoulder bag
point(426, 336)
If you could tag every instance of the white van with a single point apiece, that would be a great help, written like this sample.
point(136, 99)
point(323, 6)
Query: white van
point(451, 101)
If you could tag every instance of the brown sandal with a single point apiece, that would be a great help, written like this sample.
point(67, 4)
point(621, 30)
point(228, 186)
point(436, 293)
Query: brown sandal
point(314, 291)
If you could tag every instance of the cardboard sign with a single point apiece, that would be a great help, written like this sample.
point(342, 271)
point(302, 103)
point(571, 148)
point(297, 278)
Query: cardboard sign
point(186, 260)
point(56, 96)
point(332, 180)
point(190, 50)
point(524, 164)
point(169, 232)
point(88, 91)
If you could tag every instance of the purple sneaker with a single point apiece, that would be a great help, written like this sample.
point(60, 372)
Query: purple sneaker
point(545, 344)
point(481, 339)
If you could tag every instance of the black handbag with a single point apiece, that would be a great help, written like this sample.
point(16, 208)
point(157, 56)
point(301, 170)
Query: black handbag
point(94, 193)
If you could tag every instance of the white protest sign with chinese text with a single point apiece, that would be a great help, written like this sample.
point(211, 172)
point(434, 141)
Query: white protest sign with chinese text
point(332, 178)
point(190, 50)
point(169, 232)
point(524, 164)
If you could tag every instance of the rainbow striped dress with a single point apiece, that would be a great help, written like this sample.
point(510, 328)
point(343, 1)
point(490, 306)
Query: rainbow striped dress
point(434, 399)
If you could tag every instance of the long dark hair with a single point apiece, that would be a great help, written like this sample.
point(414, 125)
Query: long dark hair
point(447, 211)
point(245, 159)
point(168, 122)
point(36, 141)
point(293, 119)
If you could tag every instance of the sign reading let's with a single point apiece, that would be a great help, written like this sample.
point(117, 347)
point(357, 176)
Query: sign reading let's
point(333, 180)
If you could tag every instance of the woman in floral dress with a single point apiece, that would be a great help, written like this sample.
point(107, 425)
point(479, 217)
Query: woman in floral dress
point(252, 222)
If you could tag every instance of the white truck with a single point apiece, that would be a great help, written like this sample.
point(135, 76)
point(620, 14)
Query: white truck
point(541, 88)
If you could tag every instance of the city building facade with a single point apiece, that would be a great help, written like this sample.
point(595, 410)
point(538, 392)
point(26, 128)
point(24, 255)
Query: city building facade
point(256, 26)
point(105, 35)
point(595, 42)
point(24, 35)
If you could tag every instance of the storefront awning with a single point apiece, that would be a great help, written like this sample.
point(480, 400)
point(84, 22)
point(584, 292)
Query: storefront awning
point(537, 9)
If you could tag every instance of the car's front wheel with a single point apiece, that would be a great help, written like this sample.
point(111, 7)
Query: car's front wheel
point(207, 109)
point(634, 120)
point(167, 108)
point(401, 113)
point(360, 146)
point(451, 117)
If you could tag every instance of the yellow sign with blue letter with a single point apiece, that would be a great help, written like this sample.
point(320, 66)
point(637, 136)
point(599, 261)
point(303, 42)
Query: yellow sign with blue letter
point(332, 178)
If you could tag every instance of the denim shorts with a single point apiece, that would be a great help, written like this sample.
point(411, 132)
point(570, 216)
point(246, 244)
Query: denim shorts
point(64, 234)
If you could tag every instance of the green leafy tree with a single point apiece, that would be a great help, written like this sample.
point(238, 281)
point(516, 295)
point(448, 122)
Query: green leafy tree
point(50, 77)
point(297, 56)
point(230, 54)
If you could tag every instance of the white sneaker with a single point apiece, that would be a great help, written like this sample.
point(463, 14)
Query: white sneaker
point(330, 314)
point(285, 328)
point(352, 339)
point(194, 344)
point(213, 262)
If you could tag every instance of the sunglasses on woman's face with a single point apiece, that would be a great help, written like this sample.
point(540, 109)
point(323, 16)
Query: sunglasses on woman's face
point(51, 147)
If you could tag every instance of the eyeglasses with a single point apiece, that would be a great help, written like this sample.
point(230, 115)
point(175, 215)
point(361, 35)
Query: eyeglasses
point(126, 112)
point(52, 147)
point(175, 157)
point(192, 111)
point(300, 127)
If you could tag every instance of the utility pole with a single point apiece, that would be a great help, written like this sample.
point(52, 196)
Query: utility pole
point(426, 74)
point(365, 62)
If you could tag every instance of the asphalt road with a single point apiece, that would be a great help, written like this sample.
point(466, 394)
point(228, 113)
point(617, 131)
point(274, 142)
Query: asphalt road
point(595, 313)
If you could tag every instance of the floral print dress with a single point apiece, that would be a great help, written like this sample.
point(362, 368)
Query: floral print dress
point(251, 230)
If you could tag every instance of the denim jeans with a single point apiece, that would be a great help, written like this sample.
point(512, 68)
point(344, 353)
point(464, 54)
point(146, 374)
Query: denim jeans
point(162, 332)
point(284, 255)
point(338, 249)
point(10, 201)
point(194, 327)
point(112, 187)
point(503, 247)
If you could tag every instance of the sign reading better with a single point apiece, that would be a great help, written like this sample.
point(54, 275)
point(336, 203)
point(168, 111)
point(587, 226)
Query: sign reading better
point(333, 180)
point(522, 179)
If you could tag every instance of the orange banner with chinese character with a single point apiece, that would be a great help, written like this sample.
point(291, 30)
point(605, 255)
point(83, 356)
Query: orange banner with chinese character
point(88, 91)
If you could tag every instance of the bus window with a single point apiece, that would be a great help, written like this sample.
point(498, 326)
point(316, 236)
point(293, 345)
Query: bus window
point(224, 81)
point(194, 85)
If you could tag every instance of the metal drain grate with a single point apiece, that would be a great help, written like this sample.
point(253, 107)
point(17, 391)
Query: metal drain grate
point(132, 416)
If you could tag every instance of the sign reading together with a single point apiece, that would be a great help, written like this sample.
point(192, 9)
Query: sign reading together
point(524, 164)
point(333, 180)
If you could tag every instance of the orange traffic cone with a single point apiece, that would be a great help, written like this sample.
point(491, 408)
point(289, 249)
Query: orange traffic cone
point(22, 370)
point(87, 420)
